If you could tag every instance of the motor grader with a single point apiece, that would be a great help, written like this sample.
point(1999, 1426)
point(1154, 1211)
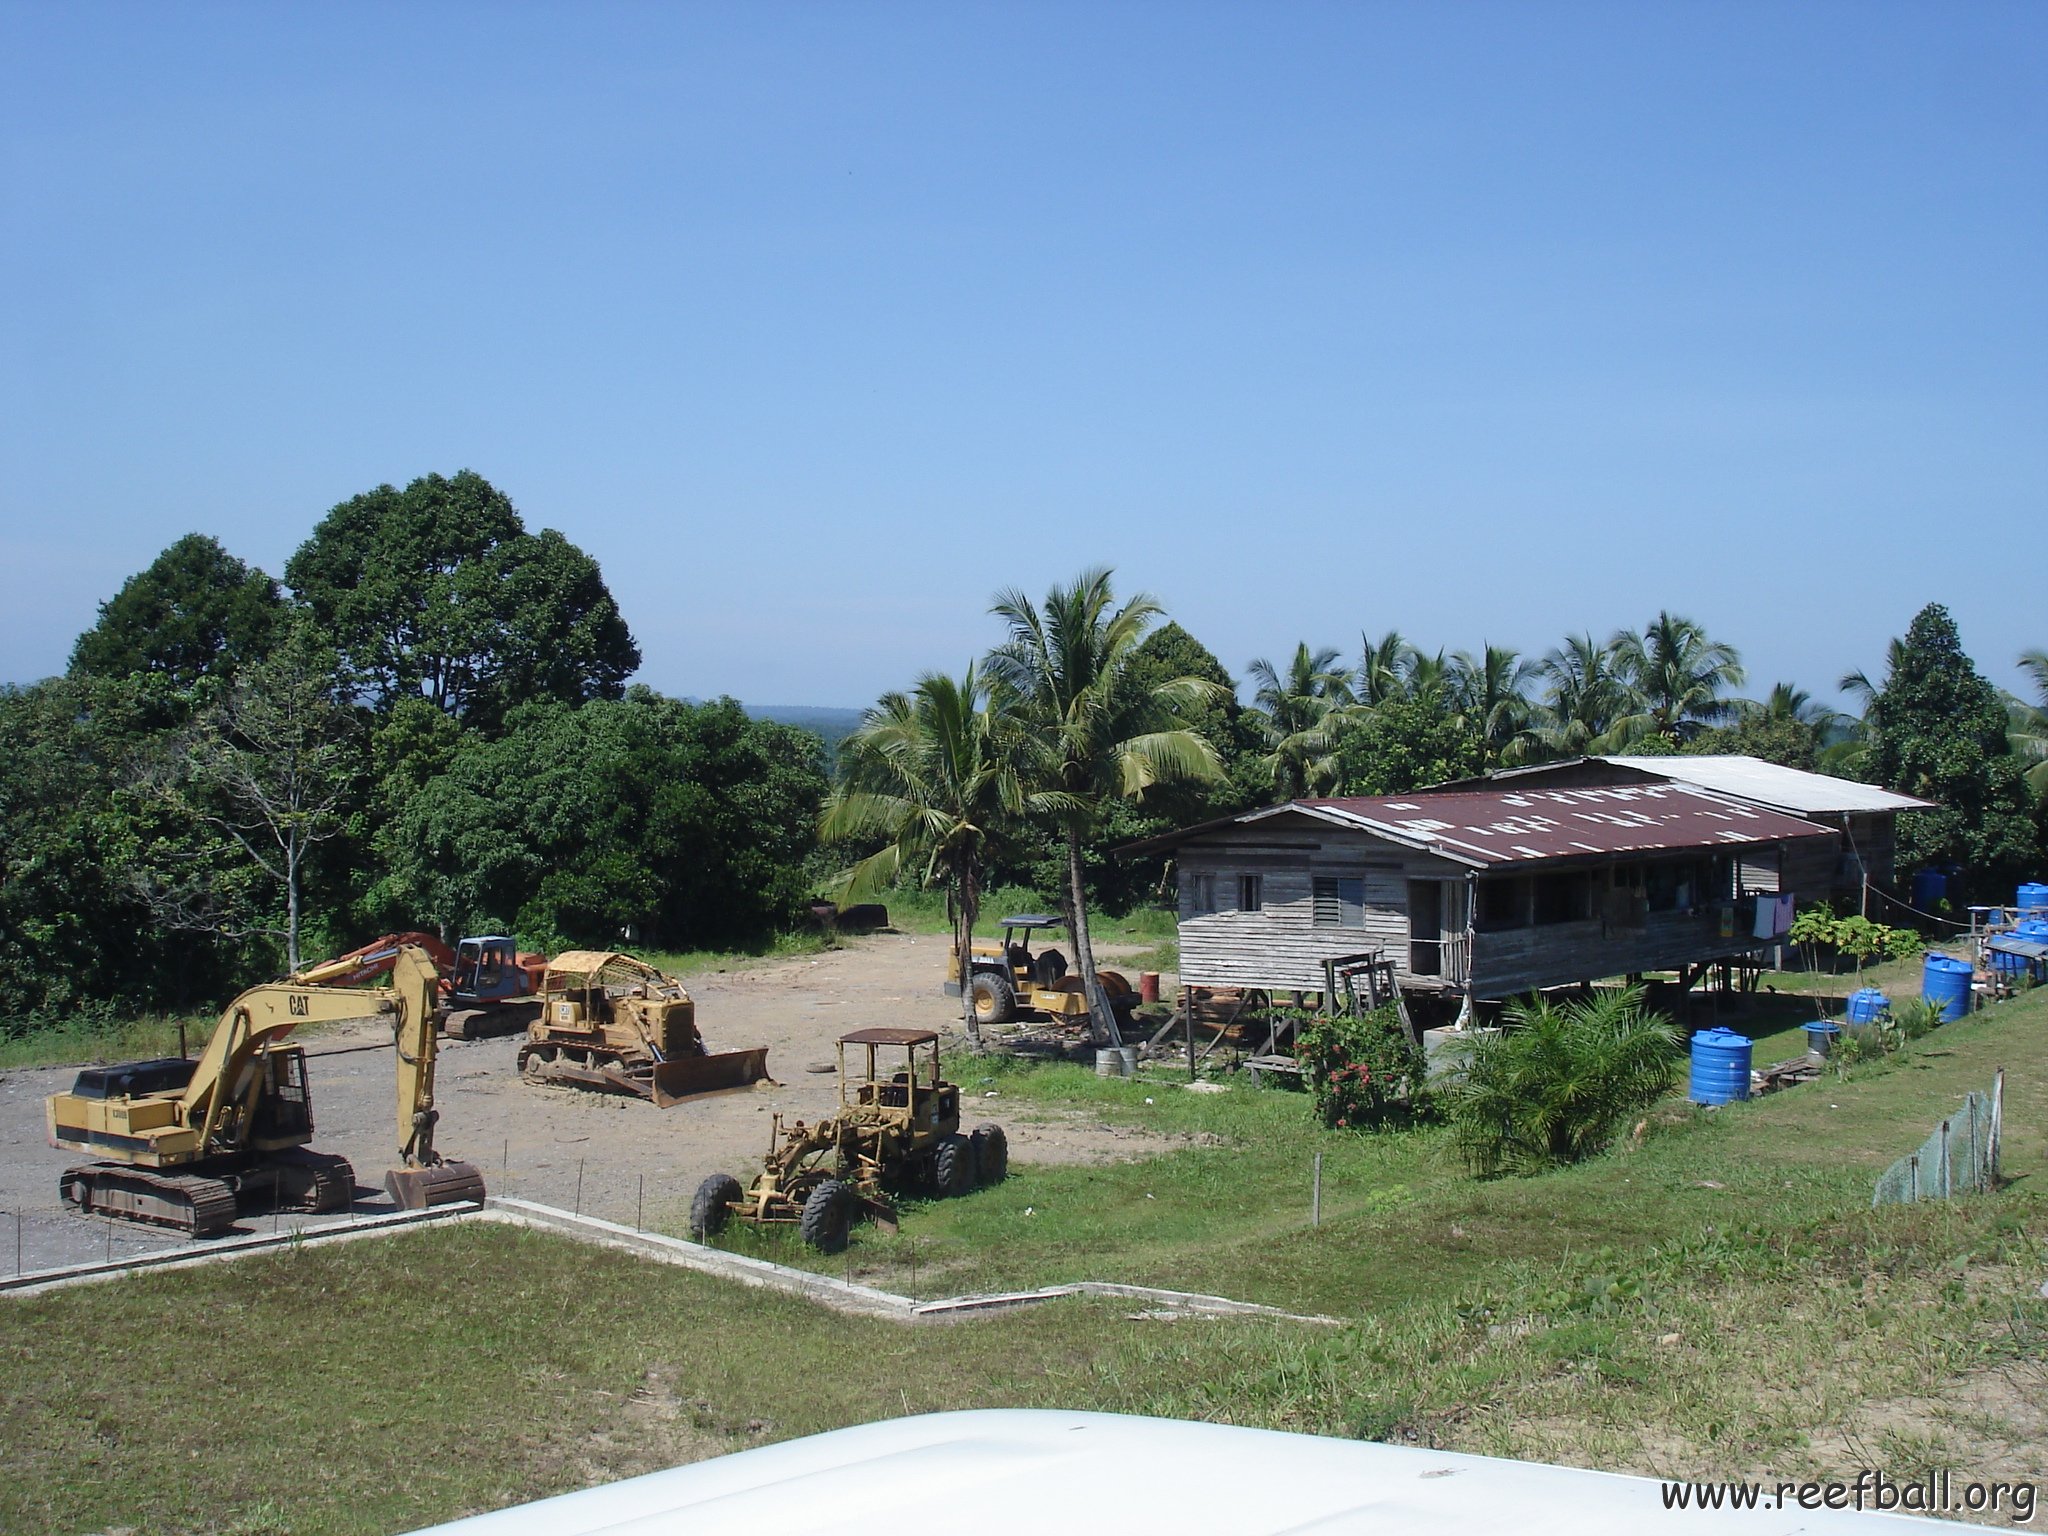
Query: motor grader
point(191, 1144)
point(1007, 980)
point(897, 1131)
point(613, 1022)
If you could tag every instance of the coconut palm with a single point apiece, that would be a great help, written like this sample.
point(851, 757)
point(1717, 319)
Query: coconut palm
point(2028, 732)
point(1299, 715)
point(1093, 734)
point(1381, 671)
point(1846, 755)
point(932, 773)
point(1675, 677)
point(1491, 697)
point(1583, 697)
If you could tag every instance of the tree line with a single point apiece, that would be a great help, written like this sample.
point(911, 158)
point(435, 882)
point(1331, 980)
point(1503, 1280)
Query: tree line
point(428, 721)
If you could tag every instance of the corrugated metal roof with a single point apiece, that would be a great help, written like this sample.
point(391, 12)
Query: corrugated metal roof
point(1785, 789)
point(1518, 826)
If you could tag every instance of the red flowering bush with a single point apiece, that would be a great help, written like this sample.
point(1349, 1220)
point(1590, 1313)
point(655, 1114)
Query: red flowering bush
point(1363, 1072)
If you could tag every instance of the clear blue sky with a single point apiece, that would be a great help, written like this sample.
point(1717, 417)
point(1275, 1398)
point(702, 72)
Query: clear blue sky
point(816, 324)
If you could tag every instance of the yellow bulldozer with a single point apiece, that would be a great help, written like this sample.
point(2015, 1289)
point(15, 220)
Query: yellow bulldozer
point(1007, 980)
point(192, 1143)
point(897, 1130)
point(613, 1022)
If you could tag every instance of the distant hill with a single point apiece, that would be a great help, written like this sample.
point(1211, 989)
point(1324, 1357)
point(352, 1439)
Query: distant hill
point(832, 724)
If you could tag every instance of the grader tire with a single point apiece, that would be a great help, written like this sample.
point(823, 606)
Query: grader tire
point(991, 1154)
point(827, 1217)
point(995, 997)
point(953, 1166)
point(711, 1206)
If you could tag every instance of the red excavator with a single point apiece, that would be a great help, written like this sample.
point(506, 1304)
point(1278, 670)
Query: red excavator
point(488, 985)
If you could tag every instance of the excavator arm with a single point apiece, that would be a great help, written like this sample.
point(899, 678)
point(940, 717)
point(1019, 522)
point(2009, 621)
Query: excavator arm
point(423, 1177)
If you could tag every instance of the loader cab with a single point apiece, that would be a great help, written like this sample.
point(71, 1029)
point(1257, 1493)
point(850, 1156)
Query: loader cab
point(490, 967)
point(897, 1072)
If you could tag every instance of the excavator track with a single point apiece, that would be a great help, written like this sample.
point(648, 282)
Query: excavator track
point(184, 1202)
point(314, 1181)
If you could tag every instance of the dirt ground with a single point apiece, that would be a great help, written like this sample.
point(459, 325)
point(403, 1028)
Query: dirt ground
point(609, 1156)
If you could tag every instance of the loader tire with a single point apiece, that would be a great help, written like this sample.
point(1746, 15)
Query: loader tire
point(995, 998)
point(828, 1214)
point(991, 1154)
point(711, 1206)
point(953, 1166)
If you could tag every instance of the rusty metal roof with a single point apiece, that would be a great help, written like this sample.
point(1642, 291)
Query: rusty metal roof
point(1521, 826)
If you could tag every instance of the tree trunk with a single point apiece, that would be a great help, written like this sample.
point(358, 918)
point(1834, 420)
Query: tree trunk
point(1102, 1022)
point(965, 908)
point(291, 901)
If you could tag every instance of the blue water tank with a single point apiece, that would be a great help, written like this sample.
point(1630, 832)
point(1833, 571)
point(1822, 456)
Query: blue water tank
point(2034, 928)
point(1867, 1005)
point(1720, 1066)
point(1821, 1037)
point(1945, 980)
point(2033, 899)
point(1929, 886)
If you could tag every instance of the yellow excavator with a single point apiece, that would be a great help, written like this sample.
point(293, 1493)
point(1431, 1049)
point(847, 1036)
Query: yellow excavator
point(191, 1144)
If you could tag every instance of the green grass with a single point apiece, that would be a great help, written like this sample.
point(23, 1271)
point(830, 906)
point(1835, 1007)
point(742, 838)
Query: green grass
point(1715, 1298)
point(93, 1037)
point(924, 911)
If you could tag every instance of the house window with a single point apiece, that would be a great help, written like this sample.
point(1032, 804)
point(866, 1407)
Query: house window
point(1564, 898)
point(1503, 904)
point(1201, 894)
point(1339, 903)
point(1250, 893)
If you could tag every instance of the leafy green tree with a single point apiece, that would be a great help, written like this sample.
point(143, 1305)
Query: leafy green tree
point(1299, 714)
point(1094, 739)
point(1675, 677)
point(439, 591)
point(933, 774)
point(195, 613)
point(1940, 734)
point(1404, 744)
point(1556, 1085)
point(267, 771)
point(680, 825)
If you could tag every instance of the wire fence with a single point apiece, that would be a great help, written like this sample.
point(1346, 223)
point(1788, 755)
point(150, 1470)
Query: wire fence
point(1960, 1155)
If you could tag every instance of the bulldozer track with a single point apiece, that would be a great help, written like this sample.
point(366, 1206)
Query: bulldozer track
point(185, 1202)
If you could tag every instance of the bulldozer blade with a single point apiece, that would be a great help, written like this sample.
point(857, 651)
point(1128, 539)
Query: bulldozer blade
point(677, 1080)
point(416, 1189)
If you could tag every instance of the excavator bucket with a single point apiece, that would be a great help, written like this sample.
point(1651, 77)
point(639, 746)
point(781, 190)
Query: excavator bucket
point(415, 1189)
point(677, 1080)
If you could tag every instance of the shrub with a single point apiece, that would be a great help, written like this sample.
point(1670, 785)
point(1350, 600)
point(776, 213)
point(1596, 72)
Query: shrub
point(1363, 1070)
point(1556, 1084)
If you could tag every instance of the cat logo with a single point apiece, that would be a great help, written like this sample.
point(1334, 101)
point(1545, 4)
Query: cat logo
point(299, 1006)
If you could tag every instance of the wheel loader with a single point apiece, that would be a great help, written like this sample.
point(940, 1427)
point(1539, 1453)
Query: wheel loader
point(613, 1022)
point(1008, 981)
point(897, 1131)
point(191, 1144)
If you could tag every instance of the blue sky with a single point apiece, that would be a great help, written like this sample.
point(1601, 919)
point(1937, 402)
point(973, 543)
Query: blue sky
point(817, 324)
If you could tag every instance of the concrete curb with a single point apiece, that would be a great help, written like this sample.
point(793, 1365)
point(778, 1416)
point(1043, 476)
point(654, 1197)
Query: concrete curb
point(761, 1274)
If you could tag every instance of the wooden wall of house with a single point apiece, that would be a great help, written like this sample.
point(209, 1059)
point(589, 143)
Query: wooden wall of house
point(1280, 947)
point(1518, 960)
point(1807, 867)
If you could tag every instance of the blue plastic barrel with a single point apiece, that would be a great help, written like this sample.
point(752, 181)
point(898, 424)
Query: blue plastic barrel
point(2034, 928)
point(1821, 1037)
point(1720, 1066)
point(1945, 980)
point(1929, 886)
point(1867, 1005)
point(2033, 899)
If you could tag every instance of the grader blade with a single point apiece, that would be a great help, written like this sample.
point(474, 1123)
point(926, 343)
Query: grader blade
point(881, 1213)
point(417, 1189)
point(677, 1080)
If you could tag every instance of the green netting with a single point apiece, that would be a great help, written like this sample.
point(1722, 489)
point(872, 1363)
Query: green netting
point(1960, 1157)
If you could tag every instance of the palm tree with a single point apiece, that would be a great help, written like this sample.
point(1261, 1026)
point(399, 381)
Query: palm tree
point(1299, 715)
point(1675, 677)
point(1583, 697)
point(2028, 731)
point(1491, 697)
point(1093, 733)
point(933, 774)
point(1380, 672)
point(1847, 754)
